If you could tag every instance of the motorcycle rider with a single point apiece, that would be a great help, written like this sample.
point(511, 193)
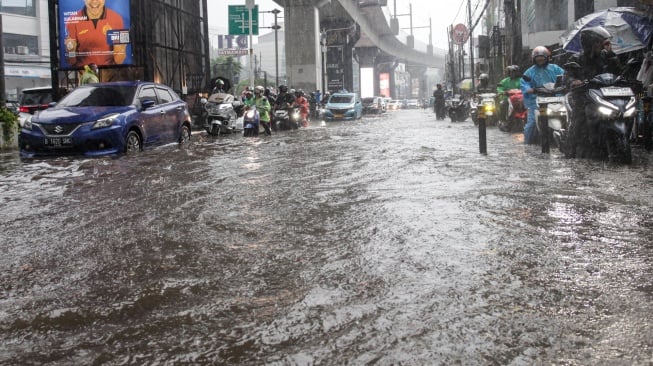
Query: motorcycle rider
point(596, 58)
point(302, 103)
point(219, 87)
point(260, 101)
point(438, 102)
point(540, 73)
point(512, 81)
point(284, 99)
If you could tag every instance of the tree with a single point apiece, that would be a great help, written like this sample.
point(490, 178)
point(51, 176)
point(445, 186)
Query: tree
point(228, 67)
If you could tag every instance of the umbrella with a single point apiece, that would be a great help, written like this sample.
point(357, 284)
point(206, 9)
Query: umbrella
point(630, 28)
point(466, 84)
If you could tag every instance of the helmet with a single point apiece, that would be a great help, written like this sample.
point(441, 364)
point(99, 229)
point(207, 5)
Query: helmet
point(291, 91)
point(592, 35)
point(259, 89)
point(299, 92)
point(219, 82)
point(484, 79)
point(283, 88)
point(512, 70)
point(540, 51)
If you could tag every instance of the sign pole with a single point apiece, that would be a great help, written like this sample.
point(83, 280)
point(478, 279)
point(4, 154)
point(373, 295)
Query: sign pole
point(250, 6)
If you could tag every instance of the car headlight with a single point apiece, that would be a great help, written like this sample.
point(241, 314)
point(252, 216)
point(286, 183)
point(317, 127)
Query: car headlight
point(105, 122)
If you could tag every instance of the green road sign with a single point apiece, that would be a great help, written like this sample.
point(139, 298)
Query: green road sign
point(239, 20)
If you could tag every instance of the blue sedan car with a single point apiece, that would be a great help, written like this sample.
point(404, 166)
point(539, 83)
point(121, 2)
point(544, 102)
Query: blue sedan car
point(107, 118)
point(345, 106)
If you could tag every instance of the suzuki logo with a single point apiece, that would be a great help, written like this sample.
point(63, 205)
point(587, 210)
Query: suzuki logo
point(58, 129)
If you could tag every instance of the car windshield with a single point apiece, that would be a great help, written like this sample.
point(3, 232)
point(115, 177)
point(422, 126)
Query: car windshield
point(100, 96)
point(36, 98)
point(341, 99)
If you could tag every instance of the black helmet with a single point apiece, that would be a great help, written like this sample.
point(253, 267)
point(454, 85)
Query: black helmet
point(592, 35)
point(299, 93)
point(283, 88)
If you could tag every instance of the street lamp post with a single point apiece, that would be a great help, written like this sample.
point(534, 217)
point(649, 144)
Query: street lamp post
point(276, 28)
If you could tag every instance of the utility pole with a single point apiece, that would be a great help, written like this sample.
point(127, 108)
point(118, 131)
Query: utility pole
point(3, 94)
point(250, 7)
point(471, 44)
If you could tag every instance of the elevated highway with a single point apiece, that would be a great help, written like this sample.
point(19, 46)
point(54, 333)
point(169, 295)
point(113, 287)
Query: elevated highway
point(327, 40)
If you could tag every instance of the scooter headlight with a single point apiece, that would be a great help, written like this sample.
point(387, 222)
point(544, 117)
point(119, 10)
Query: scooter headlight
point(250, 114)
point(606, 111)
point(630, 112)
point(555, 108)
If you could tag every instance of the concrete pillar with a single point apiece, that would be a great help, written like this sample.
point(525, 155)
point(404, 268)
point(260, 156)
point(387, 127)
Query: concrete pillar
point(302, 37)
point(418, 72)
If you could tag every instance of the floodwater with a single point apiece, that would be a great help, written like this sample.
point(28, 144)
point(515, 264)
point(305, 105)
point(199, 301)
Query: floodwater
point(384, 241)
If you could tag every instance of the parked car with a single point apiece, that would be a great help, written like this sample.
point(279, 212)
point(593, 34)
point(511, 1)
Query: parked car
point(107, 118)
point(346, 106)
point(32, 100)
point(394, 105)
point(373, 105)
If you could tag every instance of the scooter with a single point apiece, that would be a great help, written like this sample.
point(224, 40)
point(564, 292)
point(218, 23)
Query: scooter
point(458, 109)
point(517, 112)
point(251, 122)
point(551, 116)
point(485, 108)
point(286, 118)
point(610, 114)
point(220, 113)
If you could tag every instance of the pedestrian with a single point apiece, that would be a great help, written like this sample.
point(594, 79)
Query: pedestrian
point(90, 75)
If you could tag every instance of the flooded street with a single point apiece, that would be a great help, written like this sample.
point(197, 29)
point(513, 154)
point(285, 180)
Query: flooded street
point(384, 241)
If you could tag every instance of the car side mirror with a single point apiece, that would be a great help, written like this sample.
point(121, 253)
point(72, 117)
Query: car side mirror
point(148, 103)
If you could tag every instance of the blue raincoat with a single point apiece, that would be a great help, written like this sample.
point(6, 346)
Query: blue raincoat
point(539, 76)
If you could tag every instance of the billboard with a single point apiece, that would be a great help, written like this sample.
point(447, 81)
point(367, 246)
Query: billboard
point(94, 33)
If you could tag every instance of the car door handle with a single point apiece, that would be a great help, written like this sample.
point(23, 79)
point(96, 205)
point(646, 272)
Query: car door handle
point(163, 112)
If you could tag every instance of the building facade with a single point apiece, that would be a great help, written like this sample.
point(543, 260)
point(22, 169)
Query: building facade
point(168, 41)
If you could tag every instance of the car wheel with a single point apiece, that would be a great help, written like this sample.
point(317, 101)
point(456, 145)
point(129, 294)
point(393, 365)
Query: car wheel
point(185, 134)
point(133, 142)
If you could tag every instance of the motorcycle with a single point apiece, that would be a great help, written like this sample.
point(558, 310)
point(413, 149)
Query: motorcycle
point(485, 107)
point(251, 122)
point(286, 119)
point(220, 114)
point(551, 116)
point(517, 112)
point(458, 109)
point(610, 114)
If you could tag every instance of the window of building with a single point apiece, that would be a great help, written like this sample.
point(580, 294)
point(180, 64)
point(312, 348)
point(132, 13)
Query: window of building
point(20, 44)
point(18, 7)
point(544, 16)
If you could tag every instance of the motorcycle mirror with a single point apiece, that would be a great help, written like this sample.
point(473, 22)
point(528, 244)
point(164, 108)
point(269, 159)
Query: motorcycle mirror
point(571, 66)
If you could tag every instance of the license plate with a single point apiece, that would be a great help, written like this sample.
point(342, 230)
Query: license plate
point(550, 100)
point(617, 92)
point(58, 141)
point(338, 115)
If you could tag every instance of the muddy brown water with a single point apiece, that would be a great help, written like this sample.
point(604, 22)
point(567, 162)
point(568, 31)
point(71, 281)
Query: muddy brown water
point(384, 241)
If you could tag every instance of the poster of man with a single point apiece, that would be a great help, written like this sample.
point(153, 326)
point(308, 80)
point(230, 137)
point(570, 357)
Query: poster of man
point(94, 31)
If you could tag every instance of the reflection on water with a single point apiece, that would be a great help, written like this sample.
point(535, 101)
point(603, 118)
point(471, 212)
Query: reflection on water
point(388, 240)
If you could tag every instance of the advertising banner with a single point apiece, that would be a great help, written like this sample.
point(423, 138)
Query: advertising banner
point(94, 33)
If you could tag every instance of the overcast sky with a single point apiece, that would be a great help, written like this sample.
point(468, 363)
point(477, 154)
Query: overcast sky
point(442, 13)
